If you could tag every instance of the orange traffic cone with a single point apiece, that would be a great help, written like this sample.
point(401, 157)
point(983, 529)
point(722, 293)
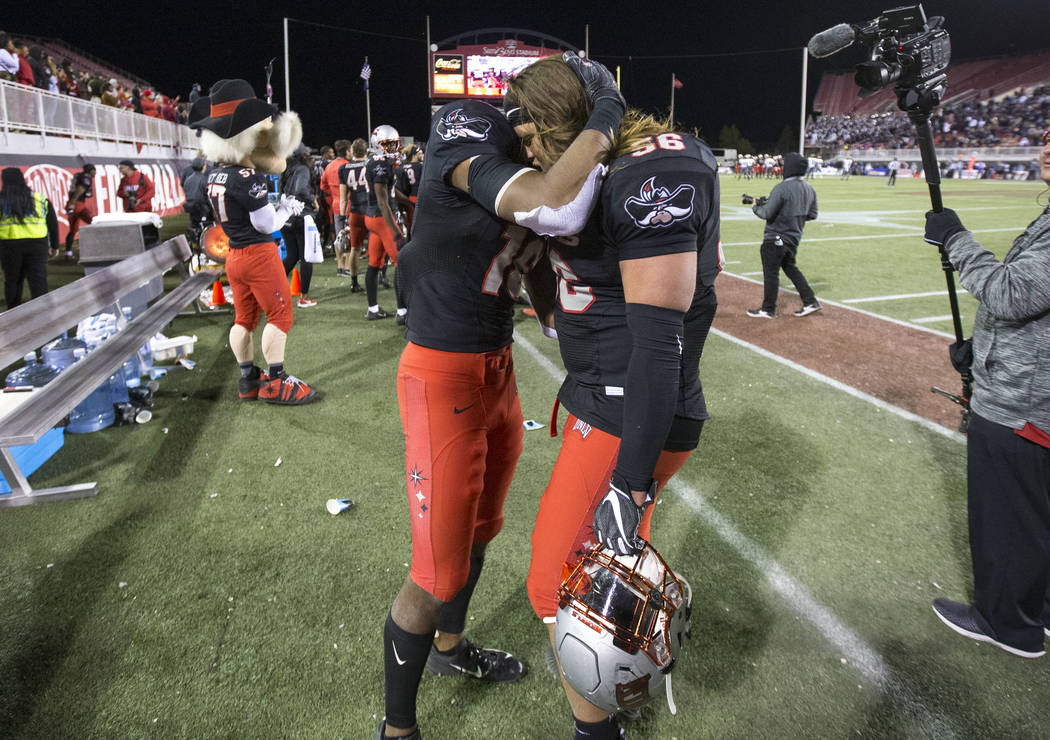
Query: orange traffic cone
point(296, 288)
point(218, 295)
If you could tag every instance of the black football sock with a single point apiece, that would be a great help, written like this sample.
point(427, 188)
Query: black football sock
point(69, 243)
point(454, 613)
point(276, 370)
point(607, 729)
point(404, 656)
point(246, 368)
point(372, 285)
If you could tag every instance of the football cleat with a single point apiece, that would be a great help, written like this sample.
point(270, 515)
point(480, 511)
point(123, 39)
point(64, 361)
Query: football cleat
point(355, 287)
point(402, 319)
point(381, 733)
point(306, 301)
point(248, 386)
point(376, 315)
point(285, 390)
point(807, 310)
point(484, 664)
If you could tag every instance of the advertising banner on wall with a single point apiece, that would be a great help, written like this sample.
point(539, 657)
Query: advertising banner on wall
point(53, 176)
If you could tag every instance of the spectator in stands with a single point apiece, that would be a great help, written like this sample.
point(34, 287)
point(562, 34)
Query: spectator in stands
point(789, 206)
point(195, 92)
point(295, 183)
point(41, 73)
point(136, 100)
point(1008, 443)
point(24, 76)
point(28, 231)
point(8, 58)
point(109, 95)
point(95, 87)
point(149, 105)
point(135, 188)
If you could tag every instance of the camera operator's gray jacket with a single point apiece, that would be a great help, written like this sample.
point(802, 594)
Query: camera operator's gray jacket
point(1011, 332)
point(790, 205)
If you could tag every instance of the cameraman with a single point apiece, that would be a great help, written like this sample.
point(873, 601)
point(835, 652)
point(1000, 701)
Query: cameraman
point(789, 206)
point(1008, 447)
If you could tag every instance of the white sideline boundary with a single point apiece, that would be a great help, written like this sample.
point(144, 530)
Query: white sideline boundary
point(900, 296)
point(917, 234)
point(857, 653)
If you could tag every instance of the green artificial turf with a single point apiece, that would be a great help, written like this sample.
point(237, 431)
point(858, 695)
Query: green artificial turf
point(206, 592)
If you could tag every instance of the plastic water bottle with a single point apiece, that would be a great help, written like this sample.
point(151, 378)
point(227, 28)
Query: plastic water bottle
point(94, 412)
point(34, 373)
point(59, 353)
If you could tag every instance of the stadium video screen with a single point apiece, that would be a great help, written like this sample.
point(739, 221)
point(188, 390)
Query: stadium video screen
point(487, 76)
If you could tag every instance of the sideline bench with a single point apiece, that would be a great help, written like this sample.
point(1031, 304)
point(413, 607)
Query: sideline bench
point(31, 325)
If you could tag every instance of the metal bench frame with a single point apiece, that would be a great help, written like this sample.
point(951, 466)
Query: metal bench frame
point(31, 325)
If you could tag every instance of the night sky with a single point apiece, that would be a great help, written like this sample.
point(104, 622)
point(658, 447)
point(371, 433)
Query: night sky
point(175, 44)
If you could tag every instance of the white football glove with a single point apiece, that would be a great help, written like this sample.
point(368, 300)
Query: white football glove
point(291, 206)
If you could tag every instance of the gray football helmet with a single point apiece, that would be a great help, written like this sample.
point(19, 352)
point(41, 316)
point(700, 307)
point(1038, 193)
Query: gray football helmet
point(385, 142)
point(620, 627)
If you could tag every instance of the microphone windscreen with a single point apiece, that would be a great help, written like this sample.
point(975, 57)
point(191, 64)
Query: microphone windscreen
point(832, 40)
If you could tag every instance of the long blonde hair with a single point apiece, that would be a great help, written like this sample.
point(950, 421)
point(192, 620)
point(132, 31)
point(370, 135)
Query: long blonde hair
point(551, 96)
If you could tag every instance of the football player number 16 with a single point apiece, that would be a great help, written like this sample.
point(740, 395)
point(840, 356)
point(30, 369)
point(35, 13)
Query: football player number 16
point(573, 297)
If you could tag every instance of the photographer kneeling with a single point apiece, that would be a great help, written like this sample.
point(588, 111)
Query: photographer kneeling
point(1008, 449)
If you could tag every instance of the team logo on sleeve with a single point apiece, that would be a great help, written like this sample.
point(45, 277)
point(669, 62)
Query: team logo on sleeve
point(656, 206)
point(458, 125)
point(257, 190)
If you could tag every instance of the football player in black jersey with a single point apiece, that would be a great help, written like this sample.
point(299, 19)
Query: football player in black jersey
point(353, 201)
point(385, 234)
point(456, 390)
point(77, 210)
point(635, 300)
point(247, 137)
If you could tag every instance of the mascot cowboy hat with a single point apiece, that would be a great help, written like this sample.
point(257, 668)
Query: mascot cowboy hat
point(237, 127)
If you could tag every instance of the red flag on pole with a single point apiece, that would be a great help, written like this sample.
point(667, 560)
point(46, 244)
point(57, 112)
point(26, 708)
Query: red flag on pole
point(677, 82)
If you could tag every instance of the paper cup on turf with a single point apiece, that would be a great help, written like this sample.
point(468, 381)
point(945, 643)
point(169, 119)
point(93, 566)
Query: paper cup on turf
point(338, 505)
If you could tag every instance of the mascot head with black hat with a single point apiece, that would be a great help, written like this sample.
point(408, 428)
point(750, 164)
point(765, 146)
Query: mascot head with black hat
point(238, 128)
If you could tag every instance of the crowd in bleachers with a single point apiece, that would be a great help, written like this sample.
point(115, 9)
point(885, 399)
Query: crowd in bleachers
point(1017, 119)
point(30, 65)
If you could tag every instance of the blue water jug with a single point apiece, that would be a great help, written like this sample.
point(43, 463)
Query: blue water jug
point(94, 412)
point(33, 373)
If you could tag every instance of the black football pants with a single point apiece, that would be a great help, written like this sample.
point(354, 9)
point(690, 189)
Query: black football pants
point(774, 258)
point(23, 260)
point(1008, 484)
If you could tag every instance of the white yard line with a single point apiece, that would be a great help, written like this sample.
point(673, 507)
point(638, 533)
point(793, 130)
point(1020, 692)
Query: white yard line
point(875, 298)
point(917, 233)
point(828, 302)
point(932, 319)
point(859, 654)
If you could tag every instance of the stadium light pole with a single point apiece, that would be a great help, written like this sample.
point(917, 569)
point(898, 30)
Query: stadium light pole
point(287, 83)
point(802, 115)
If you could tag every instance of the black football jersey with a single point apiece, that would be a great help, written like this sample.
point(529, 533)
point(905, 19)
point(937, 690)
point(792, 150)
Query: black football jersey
point(379, 170)
point(660, 199)
point(453, 269)
point(352, 174)
point(234, 192)
point(408, 178)
point(84, 180)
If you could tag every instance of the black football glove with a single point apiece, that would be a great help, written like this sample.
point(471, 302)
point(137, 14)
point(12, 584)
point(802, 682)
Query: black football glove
point(617, 517)
point(598, 82)
point(942, 226)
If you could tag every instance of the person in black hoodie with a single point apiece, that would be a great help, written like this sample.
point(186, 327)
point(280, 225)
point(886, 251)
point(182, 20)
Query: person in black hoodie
point(789, 206)
point(295, 182)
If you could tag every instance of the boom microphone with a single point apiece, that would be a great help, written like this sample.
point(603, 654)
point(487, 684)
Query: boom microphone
point(835, 39)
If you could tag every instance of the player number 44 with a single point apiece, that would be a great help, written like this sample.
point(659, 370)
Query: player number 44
point(671, 142)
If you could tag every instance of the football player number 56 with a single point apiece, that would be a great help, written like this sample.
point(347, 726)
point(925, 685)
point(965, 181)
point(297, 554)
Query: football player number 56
point(670, 142)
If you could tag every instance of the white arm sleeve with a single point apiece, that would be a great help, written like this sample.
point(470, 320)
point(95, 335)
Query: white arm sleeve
point(568, 219)
point(268, 219)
